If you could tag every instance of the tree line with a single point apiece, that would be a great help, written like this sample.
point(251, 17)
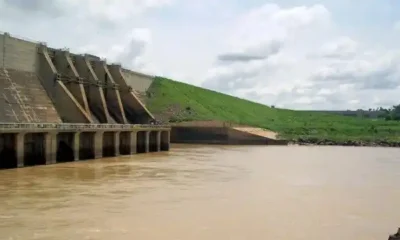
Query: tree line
point(389, 114)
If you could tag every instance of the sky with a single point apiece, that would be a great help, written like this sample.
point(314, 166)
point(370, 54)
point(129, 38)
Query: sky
point(298, 54)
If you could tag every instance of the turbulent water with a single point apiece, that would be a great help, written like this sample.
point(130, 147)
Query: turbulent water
point(203, 192)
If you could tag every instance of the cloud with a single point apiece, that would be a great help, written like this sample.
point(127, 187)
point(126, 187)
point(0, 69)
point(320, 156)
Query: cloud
point(342, 47)
point(127, 51)
point(313, 67)
point(306, 56)
point(105, 12)
point(260, 52)
point(32, 5)
point(263, 31)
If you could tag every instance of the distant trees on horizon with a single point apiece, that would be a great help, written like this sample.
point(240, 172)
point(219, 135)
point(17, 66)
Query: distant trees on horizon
point(389, 114)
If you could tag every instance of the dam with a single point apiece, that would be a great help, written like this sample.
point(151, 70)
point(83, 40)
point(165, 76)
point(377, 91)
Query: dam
point(58, 106)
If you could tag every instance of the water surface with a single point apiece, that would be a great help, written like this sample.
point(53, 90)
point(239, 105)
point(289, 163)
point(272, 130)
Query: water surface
point(205, 192)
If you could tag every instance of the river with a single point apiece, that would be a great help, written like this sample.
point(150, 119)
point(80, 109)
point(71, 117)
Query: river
point(206, 192)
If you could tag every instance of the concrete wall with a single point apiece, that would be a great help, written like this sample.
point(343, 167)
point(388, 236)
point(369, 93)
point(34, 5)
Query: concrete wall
point(218, 135)
point(27, 98)
point(18, 54)
point(206, 135)
point(138, 81)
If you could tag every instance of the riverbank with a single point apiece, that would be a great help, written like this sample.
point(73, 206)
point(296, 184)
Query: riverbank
point(355, 143)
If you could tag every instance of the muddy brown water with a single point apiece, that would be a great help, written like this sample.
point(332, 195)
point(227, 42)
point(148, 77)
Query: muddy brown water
point(205, 192)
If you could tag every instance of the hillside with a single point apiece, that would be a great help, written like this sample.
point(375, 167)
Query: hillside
point(175, 101)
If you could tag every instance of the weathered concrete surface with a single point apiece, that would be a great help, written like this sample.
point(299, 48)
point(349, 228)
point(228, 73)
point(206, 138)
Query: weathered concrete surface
point(23, 98)
point(17, 53)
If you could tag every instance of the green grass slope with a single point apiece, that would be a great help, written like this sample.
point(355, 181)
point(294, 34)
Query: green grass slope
point(175, 101)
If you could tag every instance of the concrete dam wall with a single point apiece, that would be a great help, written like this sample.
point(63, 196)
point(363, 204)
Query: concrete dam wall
point(42, 84)
point(214, 132)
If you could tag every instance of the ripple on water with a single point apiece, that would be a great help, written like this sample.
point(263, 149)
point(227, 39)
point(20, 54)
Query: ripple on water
point(208, 192)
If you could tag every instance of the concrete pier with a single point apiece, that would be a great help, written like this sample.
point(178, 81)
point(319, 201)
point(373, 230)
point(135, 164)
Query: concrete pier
point(29, 144)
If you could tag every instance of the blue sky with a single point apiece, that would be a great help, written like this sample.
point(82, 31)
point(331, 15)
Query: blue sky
point(301, 54)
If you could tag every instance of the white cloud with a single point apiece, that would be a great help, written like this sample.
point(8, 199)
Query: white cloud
point(315, 67)
point(278, 54)
point(341, 47)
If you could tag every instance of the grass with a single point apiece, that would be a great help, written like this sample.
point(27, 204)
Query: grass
point(176, 101)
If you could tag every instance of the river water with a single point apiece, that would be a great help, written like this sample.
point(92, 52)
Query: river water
point(204, 192)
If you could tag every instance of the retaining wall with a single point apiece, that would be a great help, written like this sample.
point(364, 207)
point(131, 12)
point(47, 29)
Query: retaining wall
point(218, 135)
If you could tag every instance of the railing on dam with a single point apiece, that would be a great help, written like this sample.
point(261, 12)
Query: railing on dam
point(78, 126)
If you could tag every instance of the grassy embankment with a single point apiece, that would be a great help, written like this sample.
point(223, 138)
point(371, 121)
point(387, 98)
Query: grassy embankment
point(176, 101)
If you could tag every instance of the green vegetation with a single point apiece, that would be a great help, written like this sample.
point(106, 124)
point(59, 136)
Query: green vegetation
point(389, 114)
point(175, 101)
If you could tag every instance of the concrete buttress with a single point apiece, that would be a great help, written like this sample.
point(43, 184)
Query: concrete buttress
point(72, 80)
point(94, 89)
point(67, 106)
point(111, 91)
point(135, 110)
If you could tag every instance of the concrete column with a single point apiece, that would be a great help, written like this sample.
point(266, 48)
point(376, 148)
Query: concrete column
point(158, 141)
point(98, 144)
point(20, 148)
point(50, 142)
point(76, 145)
point(166, 140)
point(116, 143)
point(133, 143)
point(147, 141)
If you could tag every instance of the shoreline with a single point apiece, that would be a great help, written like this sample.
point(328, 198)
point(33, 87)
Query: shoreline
point(350, 143)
